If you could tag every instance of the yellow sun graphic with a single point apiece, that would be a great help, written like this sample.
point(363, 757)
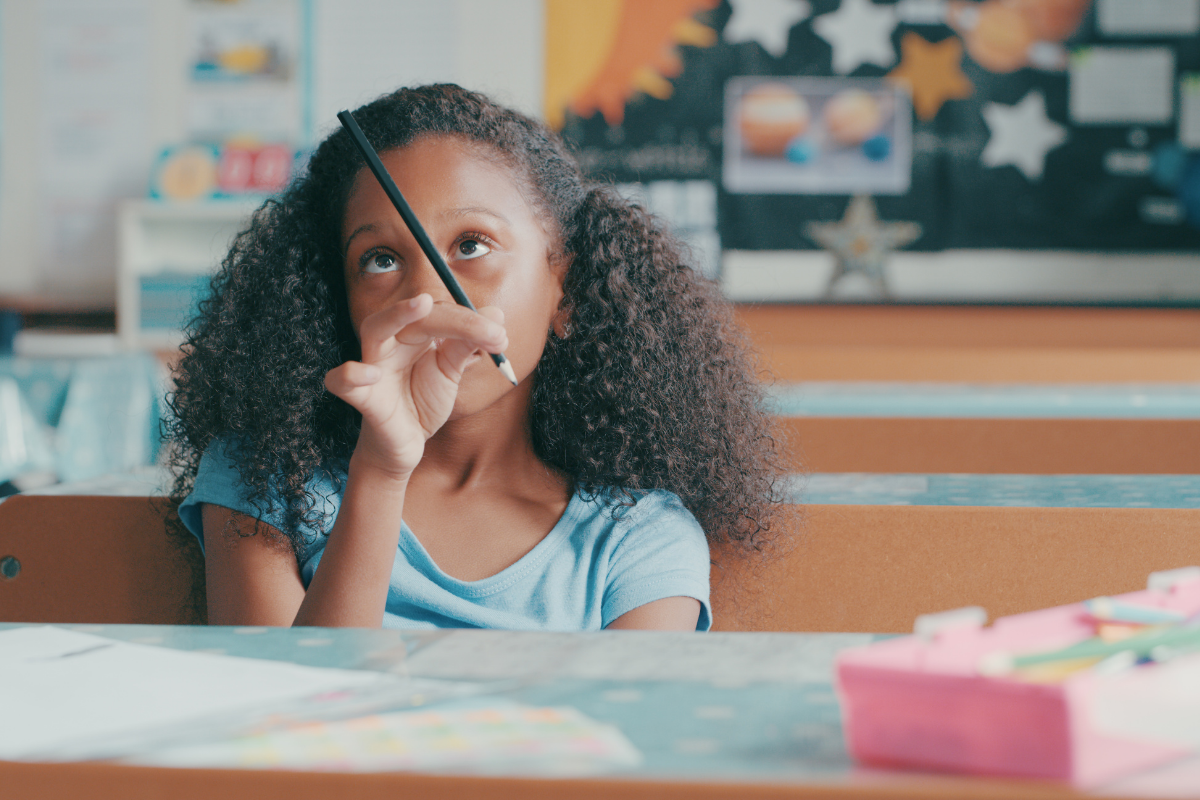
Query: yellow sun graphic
point(600, 52)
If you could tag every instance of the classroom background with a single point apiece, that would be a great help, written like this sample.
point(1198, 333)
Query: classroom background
point(964, 238)
point(875, 185)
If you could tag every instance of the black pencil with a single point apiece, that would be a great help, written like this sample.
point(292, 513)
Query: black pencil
point(414, 225)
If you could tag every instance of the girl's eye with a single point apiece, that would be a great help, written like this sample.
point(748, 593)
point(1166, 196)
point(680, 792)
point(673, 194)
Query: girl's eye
point(379, 262)
point(470, 248)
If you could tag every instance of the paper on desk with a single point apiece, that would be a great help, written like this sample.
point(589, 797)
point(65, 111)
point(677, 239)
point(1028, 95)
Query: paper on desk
point(1158, 703)
point(496, 738)
point(69, 695)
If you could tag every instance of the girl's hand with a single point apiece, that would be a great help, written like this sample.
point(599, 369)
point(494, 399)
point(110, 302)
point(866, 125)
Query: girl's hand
point(413, 357)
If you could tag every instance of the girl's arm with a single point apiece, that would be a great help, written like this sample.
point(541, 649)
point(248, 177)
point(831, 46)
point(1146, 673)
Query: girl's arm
point(668, 614)
point(255, 580)
point(250, 572)
point(414, 354)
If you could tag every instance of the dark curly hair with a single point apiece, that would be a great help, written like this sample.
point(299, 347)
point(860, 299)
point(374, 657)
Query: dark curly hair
point(652, 386)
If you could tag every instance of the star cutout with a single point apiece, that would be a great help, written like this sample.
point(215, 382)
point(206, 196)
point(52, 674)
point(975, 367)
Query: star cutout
point(860, 32)
point(767, 22)
point(1022, 135)
point(932, 72)
point(861, 243)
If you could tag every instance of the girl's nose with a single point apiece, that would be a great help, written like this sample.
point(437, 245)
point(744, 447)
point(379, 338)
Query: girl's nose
point(424, 279)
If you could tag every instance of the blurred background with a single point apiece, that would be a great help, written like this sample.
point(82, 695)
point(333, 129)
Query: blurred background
point(881, 186)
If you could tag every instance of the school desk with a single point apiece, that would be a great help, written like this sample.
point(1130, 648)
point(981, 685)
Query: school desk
point(1046, 428)
point(864, 553)
point(861, 355)
point(714, 715)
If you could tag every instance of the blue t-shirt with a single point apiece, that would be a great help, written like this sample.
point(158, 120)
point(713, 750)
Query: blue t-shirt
point(588, 571)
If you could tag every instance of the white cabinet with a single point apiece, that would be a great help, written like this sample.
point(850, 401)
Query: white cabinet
point(166, 255)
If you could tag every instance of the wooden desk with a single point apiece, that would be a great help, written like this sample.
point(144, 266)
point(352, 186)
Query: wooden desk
point(983, 345)
point(714, 715)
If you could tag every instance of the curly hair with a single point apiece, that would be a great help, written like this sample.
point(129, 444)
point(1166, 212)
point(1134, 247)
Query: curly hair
point(652, 386)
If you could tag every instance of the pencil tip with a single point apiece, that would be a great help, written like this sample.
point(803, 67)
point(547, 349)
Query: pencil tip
point(507, 369)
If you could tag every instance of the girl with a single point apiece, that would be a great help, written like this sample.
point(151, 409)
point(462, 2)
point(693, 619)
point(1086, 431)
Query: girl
point(334, 407)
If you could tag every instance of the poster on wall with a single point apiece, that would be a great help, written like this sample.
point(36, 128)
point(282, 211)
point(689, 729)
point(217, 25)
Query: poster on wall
point(816, 136)
point(247, 70)
point(1036, 125)
point(94, 116)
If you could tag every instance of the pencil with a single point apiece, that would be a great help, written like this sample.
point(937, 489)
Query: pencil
point(414, 225)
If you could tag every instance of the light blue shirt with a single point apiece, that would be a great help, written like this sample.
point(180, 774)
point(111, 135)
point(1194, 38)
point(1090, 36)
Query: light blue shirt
point(588, 571)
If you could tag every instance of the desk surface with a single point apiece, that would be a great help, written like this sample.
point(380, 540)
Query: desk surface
point(983, 401)
point(744, 714)
point(1006, 491)
point(863, 488)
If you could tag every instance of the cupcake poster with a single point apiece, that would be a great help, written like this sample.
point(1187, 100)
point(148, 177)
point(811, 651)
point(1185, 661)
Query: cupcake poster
point(816, 136)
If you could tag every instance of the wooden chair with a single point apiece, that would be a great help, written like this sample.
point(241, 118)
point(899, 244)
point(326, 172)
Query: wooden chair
point(841, 568)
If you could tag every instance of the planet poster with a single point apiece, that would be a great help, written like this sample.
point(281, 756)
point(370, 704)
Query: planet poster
point(816, 136)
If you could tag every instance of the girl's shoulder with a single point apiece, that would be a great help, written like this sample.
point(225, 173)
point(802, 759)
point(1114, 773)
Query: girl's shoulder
point(219, 481)
point(648, 517)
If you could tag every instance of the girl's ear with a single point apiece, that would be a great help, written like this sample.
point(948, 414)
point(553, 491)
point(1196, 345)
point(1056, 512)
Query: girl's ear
point(560, 323)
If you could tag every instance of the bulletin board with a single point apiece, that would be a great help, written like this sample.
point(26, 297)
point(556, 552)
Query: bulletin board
point(1014, 124)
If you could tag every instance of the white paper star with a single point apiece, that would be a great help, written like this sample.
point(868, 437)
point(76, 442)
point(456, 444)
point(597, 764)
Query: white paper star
point(861, 243)
point(860, 32)
point(1021, 135)
point(767, 22)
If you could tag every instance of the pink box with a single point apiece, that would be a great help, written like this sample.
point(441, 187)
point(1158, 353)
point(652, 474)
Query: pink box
point(919, 702)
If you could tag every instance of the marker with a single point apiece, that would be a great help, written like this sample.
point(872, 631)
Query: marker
point(414, 225)
point(1110, 609)
point(1177, 639)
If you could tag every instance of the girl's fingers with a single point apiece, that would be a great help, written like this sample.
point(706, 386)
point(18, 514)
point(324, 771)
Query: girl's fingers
point(455, 355)
point(448, 321)
point(415, 324)
point(346, 380)
point(378, 329)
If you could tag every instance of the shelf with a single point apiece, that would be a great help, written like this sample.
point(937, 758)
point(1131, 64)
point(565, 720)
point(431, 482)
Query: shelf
point(165, 253)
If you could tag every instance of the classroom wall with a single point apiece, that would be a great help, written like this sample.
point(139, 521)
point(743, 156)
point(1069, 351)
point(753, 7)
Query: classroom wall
point(495, 47)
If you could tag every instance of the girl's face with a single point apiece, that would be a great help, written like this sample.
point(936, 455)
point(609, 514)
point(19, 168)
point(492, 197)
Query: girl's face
point(494, 242)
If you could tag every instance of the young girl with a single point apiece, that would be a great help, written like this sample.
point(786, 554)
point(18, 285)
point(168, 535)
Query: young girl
point(349, 456)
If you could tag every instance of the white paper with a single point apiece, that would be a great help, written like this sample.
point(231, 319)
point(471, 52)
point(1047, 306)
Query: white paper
point(365, 48)
point(1122, 85)
point(1189, 110)
point(61, 688)
point(94, 117)
point(1148, 17)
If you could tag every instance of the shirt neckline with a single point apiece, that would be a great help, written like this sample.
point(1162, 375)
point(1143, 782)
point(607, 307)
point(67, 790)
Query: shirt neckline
point(420, 559)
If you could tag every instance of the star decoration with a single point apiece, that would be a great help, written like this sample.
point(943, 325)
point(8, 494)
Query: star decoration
point(860, 32)
point(767, 22)
point(1022, 135)
point(932, 72)
point(861, 243)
